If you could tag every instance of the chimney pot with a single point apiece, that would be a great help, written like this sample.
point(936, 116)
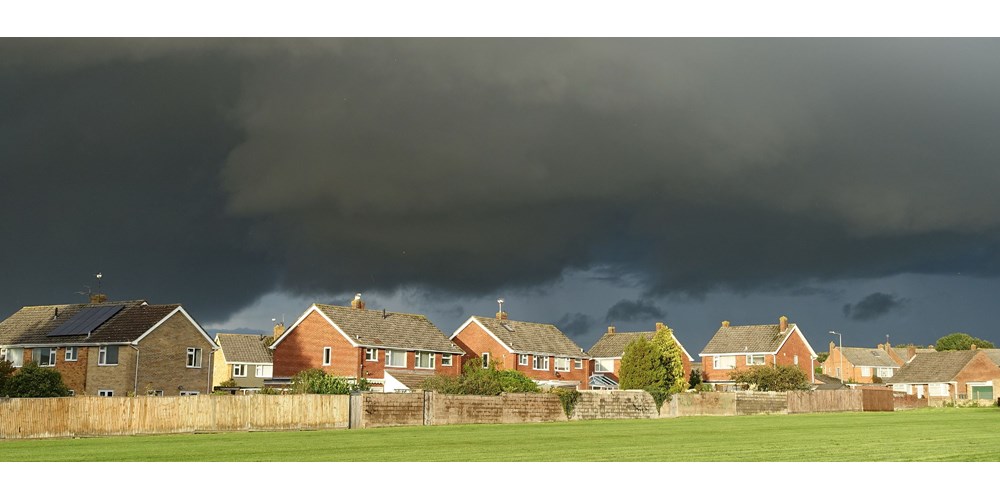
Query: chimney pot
point(611, 329)
point(660, 326)
point(357, 303)
point(279, 328)
point(502, 315)
point(725, 323)
point(783, 323)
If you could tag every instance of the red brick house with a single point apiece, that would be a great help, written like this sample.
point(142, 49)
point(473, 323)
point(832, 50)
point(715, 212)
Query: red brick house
point(948, 376)
point(735, 348)
point(862, 365)
point(540, 351)
point(356, 342)
point(608, 351)
point(113, 348)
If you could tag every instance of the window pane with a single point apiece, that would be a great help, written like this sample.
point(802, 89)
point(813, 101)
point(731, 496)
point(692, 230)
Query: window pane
point(111, 357)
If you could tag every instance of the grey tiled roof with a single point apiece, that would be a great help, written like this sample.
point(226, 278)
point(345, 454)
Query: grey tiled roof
point(31, 324)
point(525, 337)
point(413, 332)
point(747, 338)
point(931, 367)
point(612, 345)
point(861, 356)
point(240, 348)
point(994, 354)
point(413, 379)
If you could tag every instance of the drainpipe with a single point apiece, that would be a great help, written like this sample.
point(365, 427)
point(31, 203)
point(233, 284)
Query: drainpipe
point(135, 386)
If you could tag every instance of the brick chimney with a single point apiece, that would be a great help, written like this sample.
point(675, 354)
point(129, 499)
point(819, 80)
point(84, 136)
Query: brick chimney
point(357, 303)
point(502, 315)
point(783, 323)
point(911, 352)
point(98, 298)
point(725, 323)
point(660, 326)
point(279, 328)
point(611, 329)
point(832, 345)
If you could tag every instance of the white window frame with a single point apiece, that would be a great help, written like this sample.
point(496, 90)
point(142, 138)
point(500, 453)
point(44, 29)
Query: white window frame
point(445, 359)
point(718, 365)
point(6, 352)
point(795, 359)
point(389, 355)
point(866, 371)
point(561, 361)
point(327, 356)
point(51, 358)
point(371, 354)
point(105, 393)
point(72, 392)
point(522, 359)
point(542, 367)
point(74, 357)
point(261, 371)
point(938, 390)
point(604, 365)
point(155, 392)
point(428, 355)
point(102, 355)
point(486, 360)
point(190, 393)
point(884, 372)
point(239, 370)
point(194, 352)
point(751, 359)
point(577, 364)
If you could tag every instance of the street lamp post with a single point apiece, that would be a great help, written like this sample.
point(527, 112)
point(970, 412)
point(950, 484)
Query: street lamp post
point(840, 354)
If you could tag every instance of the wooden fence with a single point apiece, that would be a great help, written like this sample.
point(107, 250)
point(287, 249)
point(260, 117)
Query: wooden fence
point(96, 416)
point(824, 401)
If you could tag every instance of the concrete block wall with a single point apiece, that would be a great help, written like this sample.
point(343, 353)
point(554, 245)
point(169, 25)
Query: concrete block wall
point(755, 403)
point(391, 409)
point(614, 405)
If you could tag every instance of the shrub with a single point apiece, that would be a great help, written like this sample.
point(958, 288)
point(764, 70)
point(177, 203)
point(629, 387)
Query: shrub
point(33, 381)
point(695, 379)
point(772, 378)
point(316, 381)
point(568, 397)
point(6, 370)
point(481, 381)
point(228, 383)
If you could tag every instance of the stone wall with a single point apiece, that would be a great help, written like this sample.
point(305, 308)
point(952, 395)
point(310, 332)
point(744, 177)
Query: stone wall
point(698, 404)
point(614, 405)
point(391, 409)
point(446, 409)
point(755, 403)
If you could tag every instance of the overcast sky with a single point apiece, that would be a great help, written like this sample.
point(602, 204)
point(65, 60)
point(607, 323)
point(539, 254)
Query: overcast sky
point(849, 184)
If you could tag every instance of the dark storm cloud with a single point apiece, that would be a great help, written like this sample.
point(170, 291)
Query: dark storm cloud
point(212, 170)
point(873, 306)
point(634, 310)
point(576, 325)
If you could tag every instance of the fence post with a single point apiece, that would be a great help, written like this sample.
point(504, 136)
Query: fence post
point(428, 408)
point(354, 410)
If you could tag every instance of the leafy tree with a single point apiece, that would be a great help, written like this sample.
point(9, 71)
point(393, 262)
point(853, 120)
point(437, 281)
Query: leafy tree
point(672, 360)
point(641, 366)
point(6, 370)
point(772, 378)
point(316, 381)
point(33, 381)
point(961, 342)
point(821, 357)
point(481, 381)
point(695, 379)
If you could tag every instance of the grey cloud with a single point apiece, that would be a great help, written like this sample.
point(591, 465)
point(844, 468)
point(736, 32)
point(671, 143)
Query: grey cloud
point(874, 306)
point(215, 170)
point(634, 310)
point(576, 325)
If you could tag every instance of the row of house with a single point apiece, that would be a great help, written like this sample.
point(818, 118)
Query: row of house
point(131, 347)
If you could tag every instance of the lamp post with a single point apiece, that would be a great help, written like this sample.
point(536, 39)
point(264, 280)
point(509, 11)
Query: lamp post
point(840, 354)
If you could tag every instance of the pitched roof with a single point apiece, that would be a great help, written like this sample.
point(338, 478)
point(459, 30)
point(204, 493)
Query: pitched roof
point(240, 348)
point(994, 354)
point(861, 356)
point(612, 344)
point(933, 367)
point(31, 324)
point(533, 338)
point(367, 327)
point(412, 379)
point(747, 338)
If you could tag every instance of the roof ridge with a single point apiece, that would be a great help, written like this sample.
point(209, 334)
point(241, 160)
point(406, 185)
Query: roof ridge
point(387, 312)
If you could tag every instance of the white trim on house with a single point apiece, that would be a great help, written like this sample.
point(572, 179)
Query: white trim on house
point(555, 364)
point(487, 330)
point(105, 393)
point(794, 329)
point(198, 355)
point(447, 361)
point(599, 361)
point(327, 356)
point(432, 356)
point(181, 310)
point(388, 358)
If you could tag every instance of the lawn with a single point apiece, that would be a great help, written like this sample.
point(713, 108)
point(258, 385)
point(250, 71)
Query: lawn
point(940, 434)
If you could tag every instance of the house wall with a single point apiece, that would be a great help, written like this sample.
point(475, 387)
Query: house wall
point(796, 346)
point(832, 364)
point(303, 349)
point(119, 378)
point(74, 373)
point(376, 369)
point(251, 380)
point(475, 341)
point(719, 375)
point(980, 369)
point(220, 371)
point(163, 359)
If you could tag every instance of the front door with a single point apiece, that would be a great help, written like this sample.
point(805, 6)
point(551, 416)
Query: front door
point(920, 392)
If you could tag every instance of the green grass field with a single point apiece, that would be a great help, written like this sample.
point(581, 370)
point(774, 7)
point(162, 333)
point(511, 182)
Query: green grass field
point(970, 434)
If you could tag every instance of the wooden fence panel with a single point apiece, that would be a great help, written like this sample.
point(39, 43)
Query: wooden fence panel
point(877, 399)
point(824, 401)
point(28, 418)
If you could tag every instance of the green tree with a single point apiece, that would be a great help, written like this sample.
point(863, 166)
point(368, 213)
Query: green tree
point(6, 370)
point(772, 378)
point(481, 381)
point(672, 360)
point(641, 366)
point(33, 381)
point(821, 357)
point(316, 381)
point(961, 342)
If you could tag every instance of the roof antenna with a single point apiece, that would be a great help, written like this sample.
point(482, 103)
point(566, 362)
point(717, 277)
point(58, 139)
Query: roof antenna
point(383, 313)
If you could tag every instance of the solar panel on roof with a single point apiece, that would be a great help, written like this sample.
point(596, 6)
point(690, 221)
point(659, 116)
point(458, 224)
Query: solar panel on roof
point(85, 321)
